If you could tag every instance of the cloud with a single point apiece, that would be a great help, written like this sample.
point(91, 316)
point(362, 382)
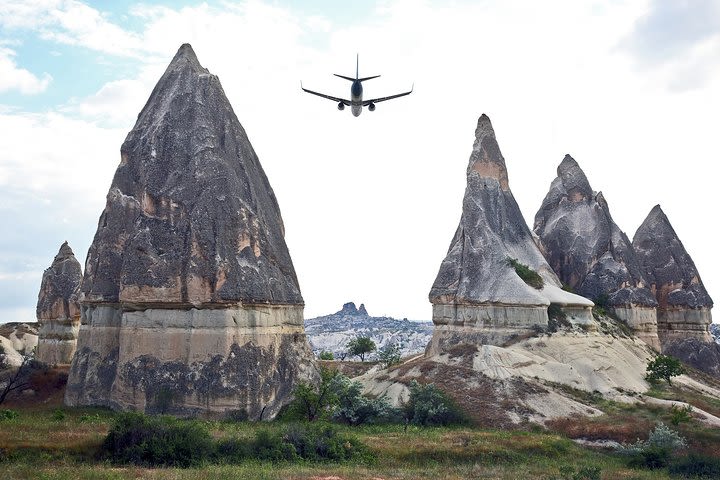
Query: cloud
point(14, 78)
point(678, 39)
point(70, 22)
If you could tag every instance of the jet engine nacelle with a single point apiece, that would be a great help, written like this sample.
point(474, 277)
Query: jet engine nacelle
point(341, 106)
point(371, 107)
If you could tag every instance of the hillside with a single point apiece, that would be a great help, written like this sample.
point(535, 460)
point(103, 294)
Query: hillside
point(332, 332)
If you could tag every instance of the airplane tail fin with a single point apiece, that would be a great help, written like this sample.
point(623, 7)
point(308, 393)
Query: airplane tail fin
point(357, 73)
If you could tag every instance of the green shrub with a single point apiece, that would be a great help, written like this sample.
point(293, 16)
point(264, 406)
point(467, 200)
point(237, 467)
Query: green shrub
point(528, 275)
point(695, 465)
point(323, 442)
point(58, 415)
point(312, 402)
point(355, 409)
point(324, 355)
point(657, 450)
point(680, 414)
point(361, 346)
point(428, 405)
point(158, 441)
point(6, 414)
point(389, 355)
point(271, 446)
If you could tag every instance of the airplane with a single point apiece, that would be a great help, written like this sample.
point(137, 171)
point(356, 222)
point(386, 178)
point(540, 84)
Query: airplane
point(356, 101)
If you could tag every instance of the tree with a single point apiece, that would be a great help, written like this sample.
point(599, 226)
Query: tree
point(664, 367)
point(315, 401)
point(360, 347)
point(390, 354)
point(13, 380)
point(325, 355)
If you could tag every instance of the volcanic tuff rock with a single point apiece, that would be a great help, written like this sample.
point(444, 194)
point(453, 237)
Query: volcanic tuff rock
point(190, 300)
point(590, 253)
point(58, 310)
point(476, 286)
point(683, 303)
point(331, 333)
point(17, 339)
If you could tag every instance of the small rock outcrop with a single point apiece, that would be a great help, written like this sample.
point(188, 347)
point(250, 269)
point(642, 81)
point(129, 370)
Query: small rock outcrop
point(58, 310)
point(477, 290)
point(190, 302)
point(17, 340)
point(684, 305)
point(590, 253)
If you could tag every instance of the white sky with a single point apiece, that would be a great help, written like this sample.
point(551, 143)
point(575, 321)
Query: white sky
point(629, 88)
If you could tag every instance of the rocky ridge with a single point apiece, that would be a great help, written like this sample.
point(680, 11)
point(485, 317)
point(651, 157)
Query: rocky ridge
point(331, 333)
point(58, 309)
point(190, 302)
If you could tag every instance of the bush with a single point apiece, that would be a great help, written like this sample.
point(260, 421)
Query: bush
point(271, 446)
point(323, 442)
point(657, 450)
point(313, 402)
point(58, 415)
point(324, 355)
point(528, 275)
point(680, 414)
point(695, 465)
point(355, 409)
point(428, 405)
point(157, 441)
point(6, 414)
point(389, 355)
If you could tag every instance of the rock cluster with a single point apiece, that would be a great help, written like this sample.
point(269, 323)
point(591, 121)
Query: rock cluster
point(684, 305)
point(58, 310)
point(590, 253)
point(190, 302)
point(477, 290)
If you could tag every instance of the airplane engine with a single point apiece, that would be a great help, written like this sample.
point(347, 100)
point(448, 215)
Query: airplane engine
point(341, 106)
point(371, 107)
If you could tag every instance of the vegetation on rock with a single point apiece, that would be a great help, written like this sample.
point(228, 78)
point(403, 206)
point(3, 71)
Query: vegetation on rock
point(528, 275)
point(361, 346)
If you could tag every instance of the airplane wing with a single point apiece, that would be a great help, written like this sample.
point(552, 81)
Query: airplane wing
point(382, 99)
point(334, 99)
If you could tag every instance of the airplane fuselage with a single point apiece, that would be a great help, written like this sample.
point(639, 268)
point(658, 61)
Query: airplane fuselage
point(356, 94)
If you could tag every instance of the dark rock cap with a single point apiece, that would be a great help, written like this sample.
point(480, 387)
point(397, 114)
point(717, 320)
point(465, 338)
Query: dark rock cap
point(584, 246)
point(348, 309)
point(190, 217)
point(362, 310)
point(667, 265)
point(60, 286)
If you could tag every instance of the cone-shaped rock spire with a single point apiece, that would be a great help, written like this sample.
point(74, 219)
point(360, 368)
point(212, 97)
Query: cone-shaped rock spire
point(58, 310)
point(190, 218)
point(583, 244)
point(476, 284)
point(667, 265)
point(189, 290)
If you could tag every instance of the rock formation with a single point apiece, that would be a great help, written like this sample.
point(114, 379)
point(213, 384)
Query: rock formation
point(16, 340)
point(190, 302)
point(477, 291)
point(58, 310)
point(683, 303)
point(590, 253)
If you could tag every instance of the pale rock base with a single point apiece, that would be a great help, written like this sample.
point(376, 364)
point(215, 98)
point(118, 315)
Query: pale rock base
point(58, 341)
point(643, 321)
point(191, 362)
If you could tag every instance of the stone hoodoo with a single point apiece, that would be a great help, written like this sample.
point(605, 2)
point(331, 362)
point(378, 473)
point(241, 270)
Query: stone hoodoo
point(58, 310)
point(190, 302)
point(590, 253)
point(683, 303)
point(477, 291)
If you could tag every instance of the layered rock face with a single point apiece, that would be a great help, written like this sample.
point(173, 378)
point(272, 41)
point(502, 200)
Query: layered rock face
point(477, 292)
point(590, 253)
point(190, 302)
point(683, 303)
point(58, 310)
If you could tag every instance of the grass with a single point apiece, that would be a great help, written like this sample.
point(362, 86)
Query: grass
point(34, 445)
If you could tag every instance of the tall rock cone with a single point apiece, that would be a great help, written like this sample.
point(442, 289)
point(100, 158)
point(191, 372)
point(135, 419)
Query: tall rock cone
point(684, 305)
point(590, 253)
point(58, 310)
point(477, 286)
point(190, 302)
